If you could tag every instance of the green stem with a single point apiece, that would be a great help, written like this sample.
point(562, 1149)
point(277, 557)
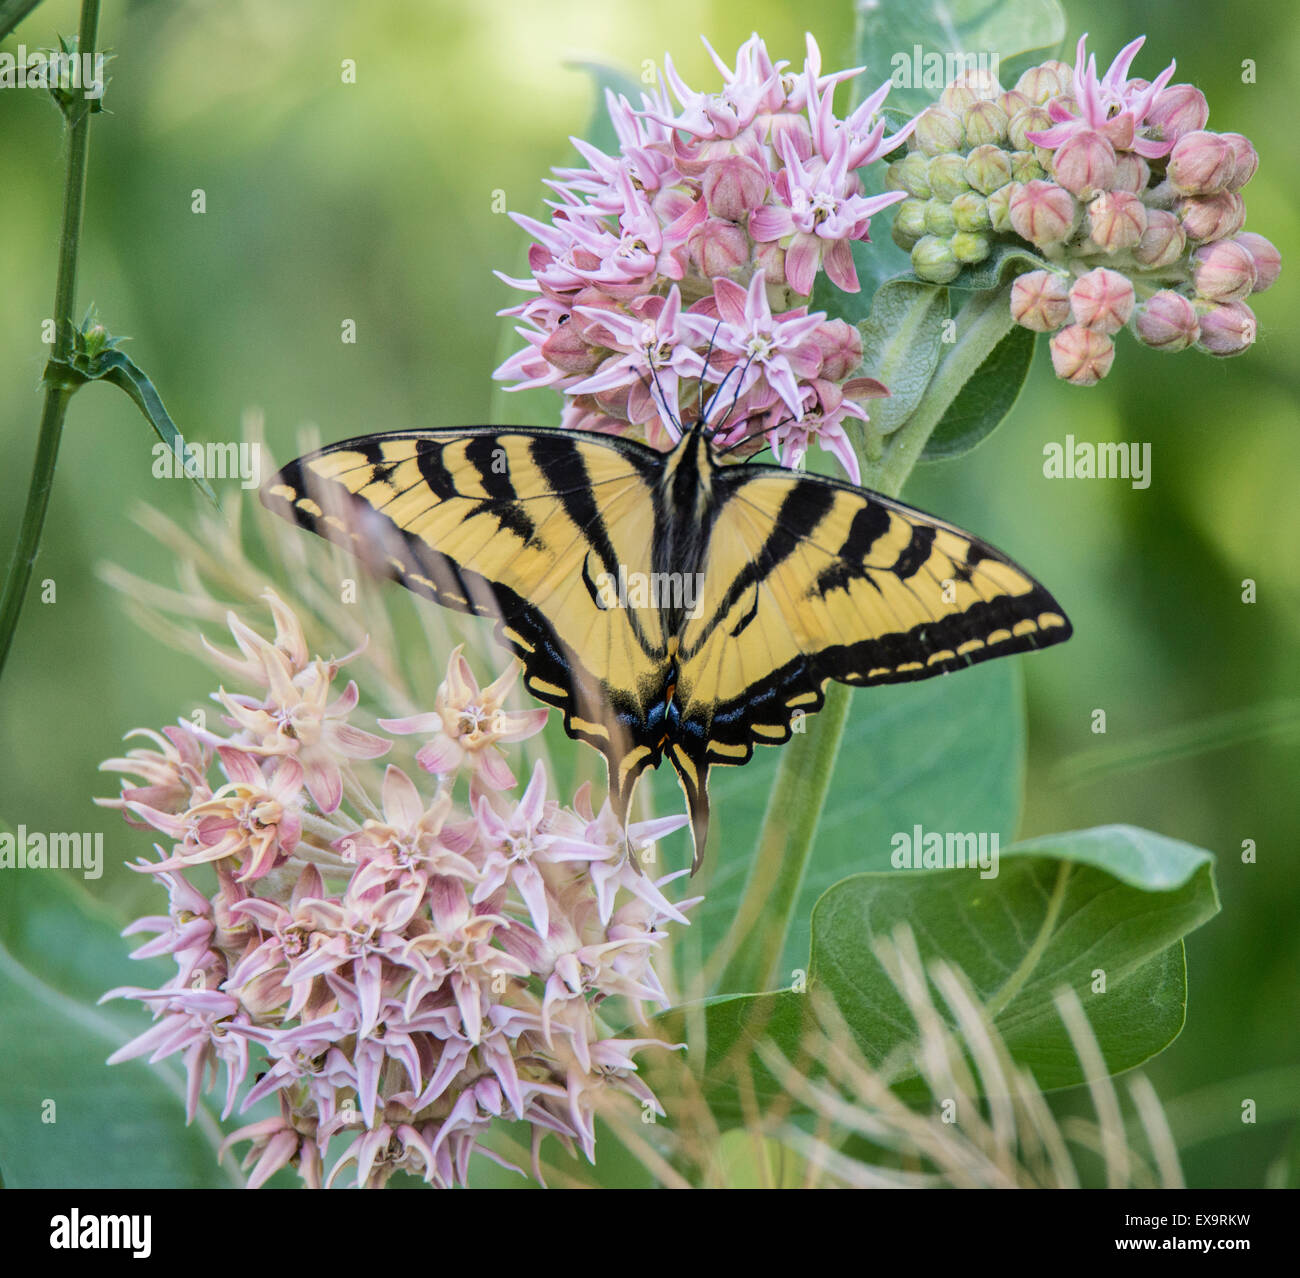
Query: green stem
point(57, 393)
point(794, 809)
point(750, 955)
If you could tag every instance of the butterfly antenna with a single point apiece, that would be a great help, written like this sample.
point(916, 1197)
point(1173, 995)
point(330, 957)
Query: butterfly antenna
point(658, 386)
point(704, 373)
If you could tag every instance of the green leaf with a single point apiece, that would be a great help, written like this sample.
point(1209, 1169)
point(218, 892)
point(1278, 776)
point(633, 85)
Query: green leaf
point(131, 1117)
point(901, 343)
point(1008, 259)
point(12, 12)
point(889, 31)
point(985, 399)
point(107, 363)
point(948, 753)
point(1114, 899)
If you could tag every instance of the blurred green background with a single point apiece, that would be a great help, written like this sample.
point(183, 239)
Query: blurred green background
point(372, 201)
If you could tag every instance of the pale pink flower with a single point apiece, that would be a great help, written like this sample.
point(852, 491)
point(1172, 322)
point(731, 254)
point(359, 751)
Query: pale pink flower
point(1111, 105)
point(468, 724)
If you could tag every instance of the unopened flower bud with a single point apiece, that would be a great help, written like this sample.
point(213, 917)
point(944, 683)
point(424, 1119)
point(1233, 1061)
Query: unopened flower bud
point(934, 260)
point(947, 175)
point(939, 218)
point(1268, 261)
point(1178, 109)
point(1025, 167)
point(841, 348)
point(1245, 159)
point(985, 123)
point(987, 167)
point(910, 174)
point(1212, 217)
point(909, 220)
point(957, 98)
point(1116, 220)
point(1033, 119)
point(970, 211)
point(981, 81)
point(1042, 82)
point(718, 247)
point(1223, 271)
point(970, 246)
point(1162, 243)
point(1082, 356)
point(1040, 300)
point(1084, 164)
point(1201, 163)
point(938, 130)
point(1166, 321)
point(1102, 300)
point(999, 203)
point(1043, 212)
point(1132, 173)
point(567, 351)
point(733, 186)
point(1227, 328)
point(1012, 102)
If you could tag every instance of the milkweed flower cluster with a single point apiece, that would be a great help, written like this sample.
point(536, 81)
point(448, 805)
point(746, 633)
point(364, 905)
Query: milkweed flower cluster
point(690, 257)
point(397, 970)
point(1116, 183)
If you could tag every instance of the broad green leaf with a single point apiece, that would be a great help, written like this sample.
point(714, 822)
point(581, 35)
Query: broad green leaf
point(948, 753)
point(985, 399)
point(901, 342)
point(893, 38)
point(1115, 900)
point(58, 953)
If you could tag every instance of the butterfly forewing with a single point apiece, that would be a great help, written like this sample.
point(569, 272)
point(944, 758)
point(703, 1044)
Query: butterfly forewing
point(524, 527)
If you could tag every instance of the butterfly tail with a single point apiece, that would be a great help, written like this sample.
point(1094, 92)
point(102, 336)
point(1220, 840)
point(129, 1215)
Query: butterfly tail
point(694, 780)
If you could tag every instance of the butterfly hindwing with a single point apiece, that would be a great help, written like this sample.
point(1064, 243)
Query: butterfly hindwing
point(811, 580)
point(520, 526)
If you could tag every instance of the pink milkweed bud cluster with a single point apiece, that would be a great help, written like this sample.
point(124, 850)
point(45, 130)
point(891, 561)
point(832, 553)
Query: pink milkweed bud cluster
point(398, 969)
point(1116, 182)
point(681, 268)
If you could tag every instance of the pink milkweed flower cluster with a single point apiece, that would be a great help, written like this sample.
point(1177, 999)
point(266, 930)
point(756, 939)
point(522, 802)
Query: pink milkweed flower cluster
point(396, 970)
point(1116, 182)
point(690, 257)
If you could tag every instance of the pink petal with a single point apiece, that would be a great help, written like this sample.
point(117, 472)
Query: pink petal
point(838, 260)
point(801, 261)
point(403, 806)
point(442, 756)
point(324, 784)
point(771, 222)
point(493, 770)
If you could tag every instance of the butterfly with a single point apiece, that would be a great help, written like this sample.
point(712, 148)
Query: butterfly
point(671, 604)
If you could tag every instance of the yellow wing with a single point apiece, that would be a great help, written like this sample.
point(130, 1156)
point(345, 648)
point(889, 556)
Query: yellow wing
point(521, 526)
point(809, 579)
